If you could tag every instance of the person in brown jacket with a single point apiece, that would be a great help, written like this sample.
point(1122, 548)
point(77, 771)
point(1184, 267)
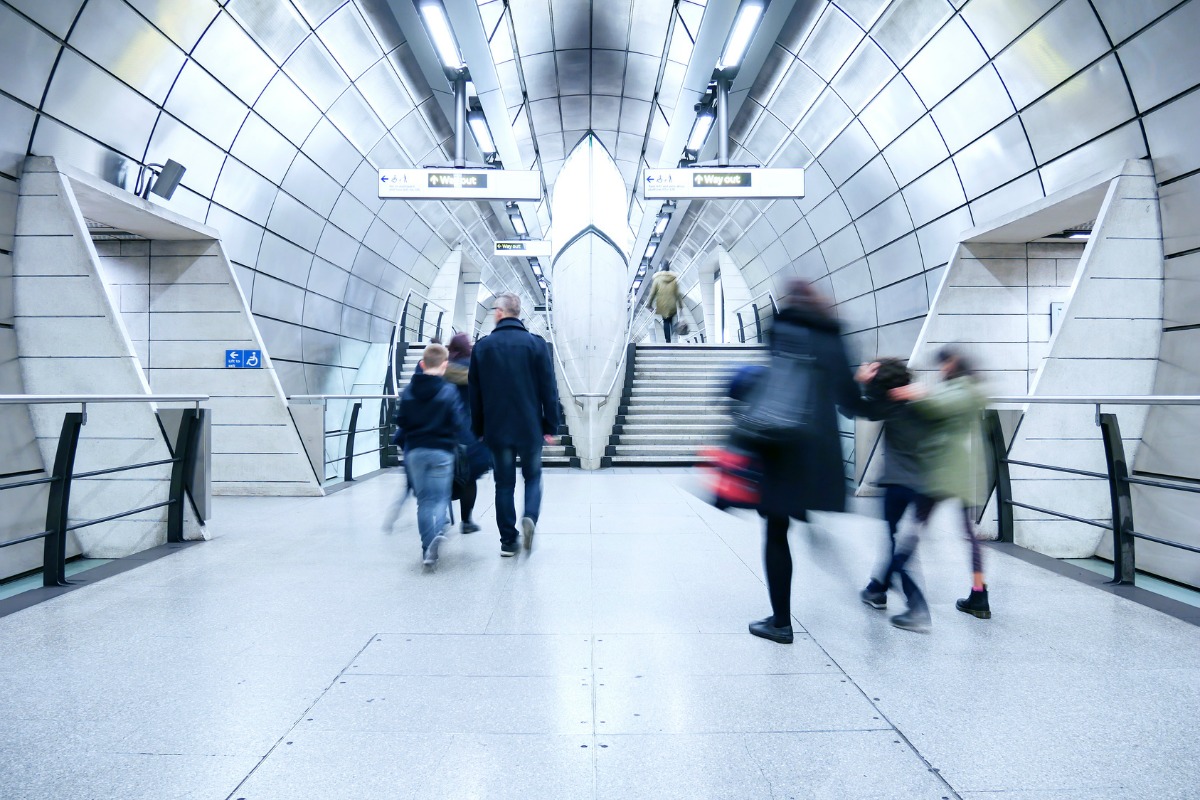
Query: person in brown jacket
point(665, 298)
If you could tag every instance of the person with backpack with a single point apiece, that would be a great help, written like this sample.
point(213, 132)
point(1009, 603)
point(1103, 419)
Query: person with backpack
point(432, 422)
point(901, 478)
point(665, 298)
point(474, 455)
point(808, 380)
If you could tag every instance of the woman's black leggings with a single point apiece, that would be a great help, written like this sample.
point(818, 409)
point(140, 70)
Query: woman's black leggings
point(925, 507)
point(466, 501)
point(778, 559)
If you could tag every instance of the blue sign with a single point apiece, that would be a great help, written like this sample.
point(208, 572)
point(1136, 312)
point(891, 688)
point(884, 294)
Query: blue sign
point(243, 359)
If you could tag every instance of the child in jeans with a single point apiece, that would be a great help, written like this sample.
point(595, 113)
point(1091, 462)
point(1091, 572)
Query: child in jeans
point(432, 420)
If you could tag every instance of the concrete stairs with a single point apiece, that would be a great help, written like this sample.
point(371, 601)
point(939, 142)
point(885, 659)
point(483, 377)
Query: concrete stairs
point(674, 402)
point(561, 455)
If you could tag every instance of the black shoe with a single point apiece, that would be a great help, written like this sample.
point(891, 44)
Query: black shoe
point(469, 527)
point(916, 621)
point(976, 604)
point(766, 629)
point(508, 549)
point(873, 596)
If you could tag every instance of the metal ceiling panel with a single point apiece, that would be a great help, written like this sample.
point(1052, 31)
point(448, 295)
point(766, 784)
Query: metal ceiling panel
point(793, 154)
point(994, 160)
point(817, 187)
point(829, 217)
point(610, 24)
point(864, 12)
point(1017, 194)
point(852, 280)
point(848, 153)
point(104, 34)
point(316, 189)
point(629, 149)
point(842, 248)
point(173, 139)
point(864, 74)
point(892, 111)
point(1122, 18)
point(351, 42)
point(55, 16)
point(276, 26)
point(782, 215)
point(316, 73)
point(907, 24)
point(1069, 38)
point(411, 77)
point(295, 222)
point(572, 23)
point(381, 238)
point(798, 239)
point(1164, 61)
point(574, 71)
point(944, 63)
point(1180, 210)
point(545, 118)
point(26, 58)
point(531, 18)
point(998, 22)
point(541, 77)
point(886, 223)
point(357, 122)
point(936, 193)
point(972, 109)
point(413, 135)
point(903, 301)
point(243, 190)
point(322, 318)
point(939, 239)
point(338, 248)
point(364, 185)
point(869, 187)
point(235, 59)
point(316, 11)
point(576, 113)
point(287, 109)
point(831, 43)
point(635, 115)
point(1081, 109)
point(1113, 148)
point(1172, 134)
point(381, 88)
point(797, 92)
point(16, 121)
point(78, 150)
point(83, 96)
point(240, 238)
point(776, 65)
point(608, 70)
point(899, 260)
point(332, 151)
point(681, 46)
point(648, 27)
point(916, 151)
point(824, 121)
point(606, 112)
point(641, 74)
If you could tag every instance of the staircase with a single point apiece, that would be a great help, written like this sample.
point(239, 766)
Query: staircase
point(560, 455)
point(675, 403)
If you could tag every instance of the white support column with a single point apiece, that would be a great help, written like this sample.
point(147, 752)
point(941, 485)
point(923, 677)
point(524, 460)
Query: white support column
point(445, 289)
point(737, 293)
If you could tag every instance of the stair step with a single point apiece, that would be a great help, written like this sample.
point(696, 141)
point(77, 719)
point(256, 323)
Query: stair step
point(666, 439)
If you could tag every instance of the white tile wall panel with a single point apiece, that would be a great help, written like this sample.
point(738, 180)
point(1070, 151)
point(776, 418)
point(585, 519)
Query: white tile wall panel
point(1030, 69)
point(283, 260)
point(288, 109)
point(892, 111)
point(240, 237)
point(357, 121)
point(995, 159)
point(261, 147)
point(848, 153)
point(798, 239)
point(277, 27)
point(54, 15)
point(797, 92)
point(15, 123)
point(295, 222)
point(939, 238)
point(123, 122)
point(313, 186)
point(368, 266)
point(823, 122)
point(1122, 19)
point(869, 187)
point(895, 262)
point(915, 152)
point(1180, 210)
point(243, 190)
point(276, 299)
point(1154, 78)
point(1088, 105)
point(103, 34)
point(842, 248)
point(864, 74)
point(1171, 132)
point(973, 109)
point(1013, 195)
point(1124, 143)
point(944, 63)
point(315, 73)
point(322, 314)
point(907, 24)
point(327, 279)
point(831, 42)
point(906, 300)
point(934, 194)
point(235, 59)
point(850, 281)
point(998, 22)
point(350, 41)
point(885, 223)
point(829, 217)
point(381, 238)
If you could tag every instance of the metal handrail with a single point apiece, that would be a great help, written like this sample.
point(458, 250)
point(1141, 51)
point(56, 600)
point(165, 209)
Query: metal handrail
point(1114, 400)
point(343, 397)
point(633, 309)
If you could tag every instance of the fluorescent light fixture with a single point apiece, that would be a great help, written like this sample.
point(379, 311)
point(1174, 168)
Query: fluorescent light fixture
point(438, 25)
point(1079, 235)
point(518, 224)
point(661, 225)
point(700, 130)
point(481, 132)
point(651, 249)
point(744, 26)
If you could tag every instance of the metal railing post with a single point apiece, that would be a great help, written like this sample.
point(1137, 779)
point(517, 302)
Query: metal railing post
point(995, 438)
point(183, 471)
point(421, 324)
point(757, 324)
point(349, 463)
point(741, 328)
point(1124, 561)
point(54, 566)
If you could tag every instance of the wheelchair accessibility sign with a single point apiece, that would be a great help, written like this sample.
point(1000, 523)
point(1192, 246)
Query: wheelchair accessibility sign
point(243, 359)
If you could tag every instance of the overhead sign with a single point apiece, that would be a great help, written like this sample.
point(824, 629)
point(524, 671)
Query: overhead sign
point(243, 359)
point(525, 248)
point(735, 183)
point(459, 184)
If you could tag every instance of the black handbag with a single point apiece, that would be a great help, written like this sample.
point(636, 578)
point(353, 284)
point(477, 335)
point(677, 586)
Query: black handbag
point(780, 406)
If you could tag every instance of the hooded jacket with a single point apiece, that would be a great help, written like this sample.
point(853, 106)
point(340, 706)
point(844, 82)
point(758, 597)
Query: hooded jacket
point(664, 292)
point(431, 415)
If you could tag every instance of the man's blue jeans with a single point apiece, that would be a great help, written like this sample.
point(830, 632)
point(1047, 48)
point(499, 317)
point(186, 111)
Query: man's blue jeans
point(432, 473)
point(505, 459)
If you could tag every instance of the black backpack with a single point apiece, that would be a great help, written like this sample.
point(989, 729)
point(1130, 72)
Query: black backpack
point(781, 405)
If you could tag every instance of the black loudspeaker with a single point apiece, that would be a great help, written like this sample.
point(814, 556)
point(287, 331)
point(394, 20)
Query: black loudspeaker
point(168, 179)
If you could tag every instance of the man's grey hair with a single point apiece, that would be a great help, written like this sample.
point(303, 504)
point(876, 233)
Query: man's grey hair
point(509, 304)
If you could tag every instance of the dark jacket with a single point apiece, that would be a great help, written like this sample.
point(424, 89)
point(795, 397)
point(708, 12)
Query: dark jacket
point(514, 397)
point(904, 431)
point(430, 415)
point(811, 476)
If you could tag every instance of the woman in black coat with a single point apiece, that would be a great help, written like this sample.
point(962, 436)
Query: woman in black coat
point(809, 476)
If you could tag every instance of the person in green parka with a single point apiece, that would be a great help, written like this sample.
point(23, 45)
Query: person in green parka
point(952, 457)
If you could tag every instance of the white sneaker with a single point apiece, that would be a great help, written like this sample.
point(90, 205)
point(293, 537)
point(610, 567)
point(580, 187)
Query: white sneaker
point(431, 552)
point(528, 528)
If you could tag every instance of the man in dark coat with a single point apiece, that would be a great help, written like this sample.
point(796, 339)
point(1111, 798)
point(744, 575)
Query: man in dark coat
point(514, 409)
point(810, 475)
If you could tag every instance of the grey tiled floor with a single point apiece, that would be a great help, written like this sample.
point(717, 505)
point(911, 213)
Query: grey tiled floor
point(304, 653)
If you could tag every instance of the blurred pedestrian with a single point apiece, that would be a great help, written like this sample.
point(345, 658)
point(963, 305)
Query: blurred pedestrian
point(432, 420)
point(806, 474)
point(952, 456)
point(514, 409)
point(665, 298)
point(903, 432)
point(475, 452)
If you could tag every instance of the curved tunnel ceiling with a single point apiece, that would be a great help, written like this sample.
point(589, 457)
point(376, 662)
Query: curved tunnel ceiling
point(915, 119)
